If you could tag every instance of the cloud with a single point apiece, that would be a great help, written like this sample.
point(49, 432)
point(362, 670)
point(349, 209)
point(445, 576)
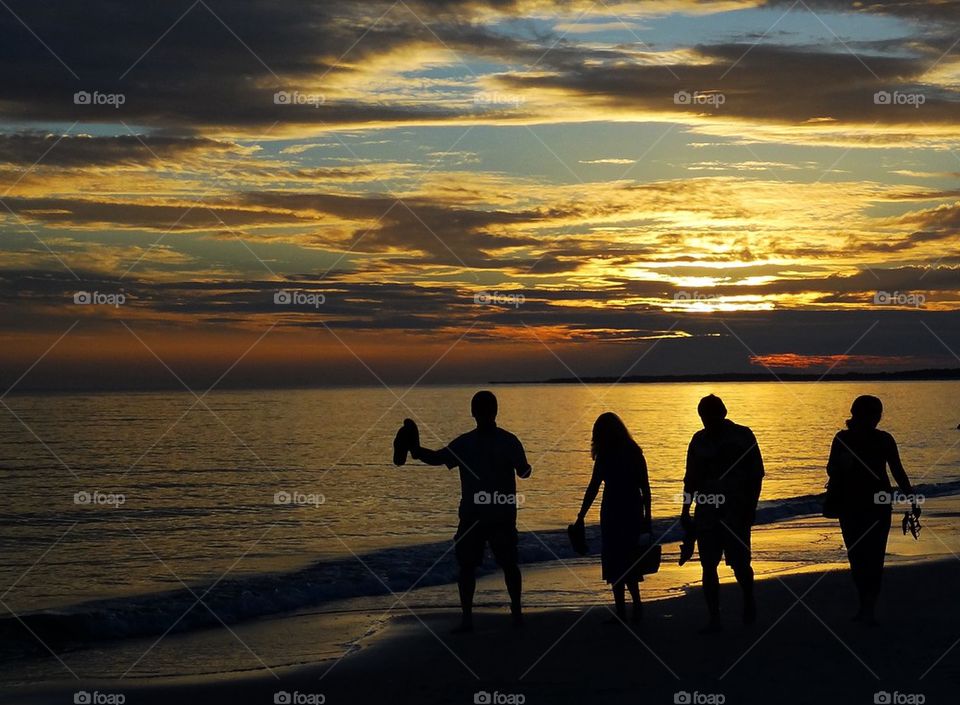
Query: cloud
point(608, 161)
point(217, 68)
point(600, 230)
point(90, 213)
point(228, 60)
point(834, 363)
point(29, 148)
point(765, 83)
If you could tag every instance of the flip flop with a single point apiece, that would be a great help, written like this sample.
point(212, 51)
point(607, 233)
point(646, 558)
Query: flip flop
point(578, 538)
point(407, 438)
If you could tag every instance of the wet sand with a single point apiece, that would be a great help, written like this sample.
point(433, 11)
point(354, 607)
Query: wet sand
point(803, 649)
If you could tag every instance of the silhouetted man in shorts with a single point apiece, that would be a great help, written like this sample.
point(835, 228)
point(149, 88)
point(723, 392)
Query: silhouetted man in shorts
point(489, 459)
point(724, 475)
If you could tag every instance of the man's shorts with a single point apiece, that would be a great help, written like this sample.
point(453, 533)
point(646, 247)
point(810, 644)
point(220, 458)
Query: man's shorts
point(731, 541)
point(473, 536)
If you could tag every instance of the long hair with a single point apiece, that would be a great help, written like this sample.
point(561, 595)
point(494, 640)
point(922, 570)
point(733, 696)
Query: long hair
point(610, 435)
point(865, 413)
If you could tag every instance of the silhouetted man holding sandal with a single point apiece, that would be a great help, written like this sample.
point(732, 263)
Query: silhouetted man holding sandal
point(489, 459)
point(723, 478)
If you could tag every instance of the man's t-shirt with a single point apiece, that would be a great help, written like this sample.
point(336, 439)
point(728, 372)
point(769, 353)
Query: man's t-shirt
point(489, 461)
point(724, 474)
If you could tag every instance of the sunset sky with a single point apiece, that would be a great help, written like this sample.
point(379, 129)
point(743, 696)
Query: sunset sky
point(287, 192)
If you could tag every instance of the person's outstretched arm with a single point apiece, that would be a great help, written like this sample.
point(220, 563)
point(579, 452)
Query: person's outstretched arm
point(593, 488)
point(408, 440)
point(430, 457)
point(899, 474)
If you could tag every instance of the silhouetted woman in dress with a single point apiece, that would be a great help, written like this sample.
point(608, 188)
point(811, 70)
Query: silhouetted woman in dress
point(863, 498)
point(624, 511)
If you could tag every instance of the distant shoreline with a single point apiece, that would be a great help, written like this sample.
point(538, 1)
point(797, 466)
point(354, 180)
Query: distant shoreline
point(929, 375)
point(901, 376)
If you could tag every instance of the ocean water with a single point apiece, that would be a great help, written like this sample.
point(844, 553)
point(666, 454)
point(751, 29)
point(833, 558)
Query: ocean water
point(115, 502)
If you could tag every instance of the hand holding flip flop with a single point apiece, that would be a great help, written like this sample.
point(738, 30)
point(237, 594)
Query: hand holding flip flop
point(406, 441)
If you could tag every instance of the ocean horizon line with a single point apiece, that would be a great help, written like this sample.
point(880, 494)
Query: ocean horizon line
point(921, 375)
point(918, 375)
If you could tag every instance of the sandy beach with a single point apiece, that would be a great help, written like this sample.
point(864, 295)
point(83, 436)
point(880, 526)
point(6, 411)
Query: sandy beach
point(803, 649)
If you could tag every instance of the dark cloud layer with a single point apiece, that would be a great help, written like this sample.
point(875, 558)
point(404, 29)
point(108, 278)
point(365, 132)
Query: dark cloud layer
point(685, 342)
point(767, 83)
point(29, 148)
point(392, 305)
point(218, 65)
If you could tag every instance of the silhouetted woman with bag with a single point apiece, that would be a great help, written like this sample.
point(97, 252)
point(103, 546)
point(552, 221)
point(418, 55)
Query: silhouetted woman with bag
point(624, 511)
point(859, 493)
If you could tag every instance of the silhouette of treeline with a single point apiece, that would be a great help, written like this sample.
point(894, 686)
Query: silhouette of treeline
point(897, 376)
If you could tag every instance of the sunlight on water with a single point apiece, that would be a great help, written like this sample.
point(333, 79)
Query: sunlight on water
point(199, 486)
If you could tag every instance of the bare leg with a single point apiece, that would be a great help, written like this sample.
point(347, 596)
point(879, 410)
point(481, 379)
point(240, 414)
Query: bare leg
point(744, 577)
point(711, 592)
point(467, 585)
point(619, 601)
point(514, 582)
point(634, 587)
point(619, 595)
